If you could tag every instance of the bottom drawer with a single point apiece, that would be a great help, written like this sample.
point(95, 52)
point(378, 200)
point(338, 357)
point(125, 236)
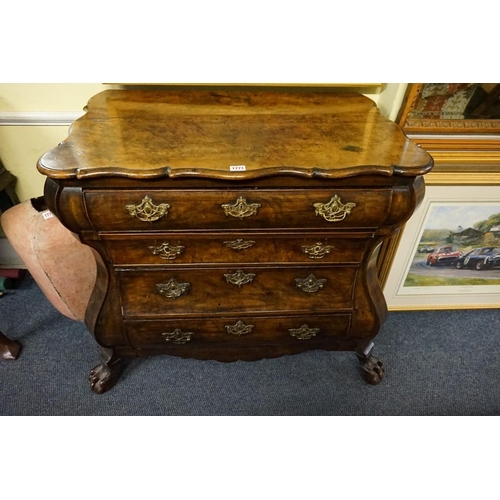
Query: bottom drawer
point(235, 331)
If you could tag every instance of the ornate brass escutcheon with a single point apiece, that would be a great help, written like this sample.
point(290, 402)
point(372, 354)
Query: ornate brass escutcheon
point(167, 251)
point(178, 336)
point(334, 210)
point(310, 284)
point(304, 332)
point(241, 208)
point(239, 244)
point(147, 211)
point(317, 251)
point(172, 289)
point(239, 278)
point(239, 328)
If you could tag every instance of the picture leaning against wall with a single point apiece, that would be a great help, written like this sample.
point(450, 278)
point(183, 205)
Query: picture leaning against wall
point(449, 252)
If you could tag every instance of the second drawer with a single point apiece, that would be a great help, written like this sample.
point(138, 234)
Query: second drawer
point(282, 247)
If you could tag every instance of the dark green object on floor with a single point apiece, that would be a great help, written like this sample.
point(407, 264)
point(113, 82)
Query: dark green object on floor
point(5, 283)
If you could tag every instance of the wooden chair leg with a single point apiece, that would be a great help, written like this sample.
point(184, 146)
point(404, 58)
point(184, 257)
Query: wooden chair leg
point(9, 349)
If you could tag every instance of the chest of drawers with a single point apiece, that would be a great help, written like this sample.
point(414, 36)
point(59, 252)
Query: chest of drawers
point(233, 225)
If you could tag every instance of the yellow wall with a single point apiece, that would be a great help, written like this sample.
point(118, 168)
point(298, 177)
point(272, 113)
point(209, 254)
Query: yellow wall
point(47, 96)
point(22, 145)
point(20, 148)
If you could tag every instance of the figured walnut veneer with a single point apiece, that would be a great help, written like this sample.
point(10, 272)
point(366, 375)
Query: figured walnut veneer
point(233, 224)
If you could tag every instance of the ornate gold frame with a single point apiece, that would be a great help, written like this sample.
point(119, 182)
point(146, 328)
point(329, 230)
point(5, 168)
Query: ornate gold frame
point(433, 126)
point(454, 144)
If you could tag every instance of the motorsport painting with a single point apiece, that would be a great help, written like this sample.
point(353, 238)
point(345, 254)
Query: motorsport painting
point(449, 252)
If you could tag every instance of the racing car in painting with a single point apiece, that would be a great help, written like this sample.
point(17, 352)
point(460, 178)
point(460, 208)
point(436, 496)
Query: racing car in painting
point(446, 255)
point(480, 258)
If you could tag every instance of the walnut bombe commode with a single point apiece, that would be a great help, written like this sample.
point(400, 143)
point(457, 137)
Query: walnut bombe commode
point(233, 225)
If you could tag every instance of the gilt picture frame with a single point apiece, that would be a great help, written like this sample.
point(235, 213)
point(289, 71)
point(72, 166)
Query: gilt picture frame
point(461, 220)
point(451, 108)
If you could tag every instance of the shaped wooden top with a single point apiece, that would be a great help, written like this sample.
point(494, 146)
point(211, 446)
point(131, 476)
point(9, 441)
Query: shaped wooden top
point(230, 134)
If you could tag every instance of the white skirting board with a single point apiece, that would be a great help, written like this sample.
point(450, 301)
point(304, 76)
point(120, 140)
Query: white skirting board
point(15, 118)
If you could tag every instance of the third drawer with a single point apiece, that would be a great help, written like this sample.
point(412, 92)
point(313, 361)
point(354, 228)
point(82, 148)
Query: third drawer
point(260, 290)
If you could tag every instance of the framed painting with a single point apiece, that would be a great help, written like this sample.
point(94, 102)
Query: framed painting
point(460, 108)
point(457, 123)
point(448, 256)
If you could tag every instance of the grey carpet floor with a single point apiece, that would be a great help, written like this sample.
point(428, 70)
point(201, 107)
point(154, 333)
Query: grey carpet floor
point(438, 363)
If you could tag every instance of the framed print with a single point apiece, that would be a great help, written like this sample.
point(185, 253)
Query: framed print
point(448, 255)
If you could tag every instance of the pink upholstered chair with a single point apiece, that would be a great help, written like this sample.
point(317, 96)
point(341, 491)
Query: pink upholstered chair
point(63, 268)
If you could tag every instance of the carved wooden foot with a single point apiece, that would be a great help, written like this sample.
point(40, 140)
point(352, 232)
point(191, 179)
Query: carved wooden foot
point(9, 349)
point(372, 368)
point(104, 376)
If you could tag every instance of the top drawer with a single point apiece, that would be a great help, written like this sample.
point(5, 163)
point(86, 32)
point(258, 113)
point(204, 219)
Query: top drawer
point(150, 210)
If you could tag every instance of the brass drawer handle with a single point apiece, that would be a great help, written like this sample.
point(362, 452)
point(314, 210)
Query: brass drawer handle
point(167, 251)
point(311, 284)
point(172, 288)
point(239, 244)
point(147, 211)
point(239, 328)
point(304, 332)
point(239, 278)
point(334, 210)
point(317, 251)
point(241, 208)
point(178, 336)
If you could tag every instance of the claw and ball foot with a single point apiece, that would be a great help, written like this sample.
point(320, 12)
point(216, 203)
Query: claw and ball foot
point(372, 368)
point(9, 349)
point(104, 376)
